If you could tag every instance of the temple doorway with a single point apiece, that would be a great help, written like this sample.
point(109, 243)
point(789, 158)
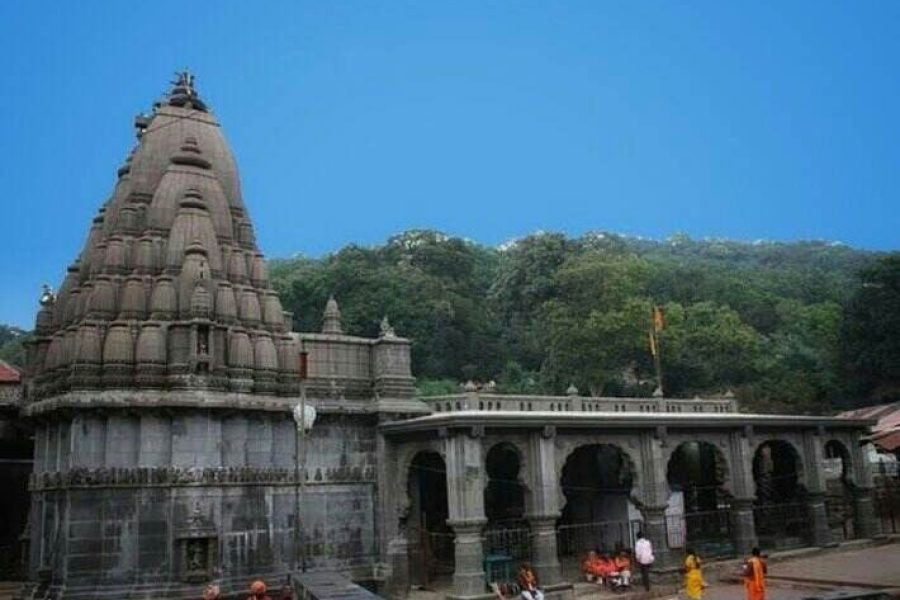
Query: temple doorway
point(781, 514)
point(596, 481)
point(431, 539)
point(696, 474)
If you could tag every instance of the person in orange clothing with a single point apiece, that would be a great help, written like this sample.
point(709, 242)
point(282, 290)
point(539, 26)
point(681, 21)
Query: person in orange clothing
point(755, 576)
point(258, 591)
point(590, 567)
point(609, 569)
point(623, 566)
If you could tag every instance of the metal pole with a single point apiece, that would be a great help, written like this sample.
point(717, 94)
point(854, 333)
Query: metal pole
point(302, 486)
point(297, 561)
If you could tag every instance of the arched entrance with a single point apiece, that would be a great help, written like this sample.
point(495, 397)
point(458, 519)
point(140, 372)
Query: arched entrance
point(839, 490)
point(507, 533)
point(596, 481)
point(700, 507)
point(430, 538)
point(781, 514)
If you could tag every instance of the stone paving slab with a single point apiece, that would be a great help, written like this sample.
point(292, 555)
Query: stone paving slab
point(876, 566)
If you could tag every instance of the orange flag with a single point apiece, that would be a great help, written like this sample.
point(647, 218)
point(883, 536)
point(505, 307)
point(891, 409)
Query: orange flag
point(659, 320)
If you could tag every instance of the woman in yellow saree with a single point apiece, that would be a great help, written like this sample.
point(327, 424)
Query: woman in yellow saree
point(693, 578)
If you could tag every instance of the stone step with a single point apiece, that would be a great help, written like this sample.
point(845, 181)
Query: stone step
point(591, 591)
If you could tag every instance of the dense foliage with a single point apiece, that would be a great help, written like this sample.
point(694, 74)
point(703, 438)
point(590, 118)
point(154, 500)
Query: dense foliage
point(12, 349)
point(785, 326)
point(802, 327)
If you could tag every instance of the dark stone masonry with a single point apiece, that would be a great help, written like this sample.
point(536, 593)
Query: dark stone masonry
point(163, 382)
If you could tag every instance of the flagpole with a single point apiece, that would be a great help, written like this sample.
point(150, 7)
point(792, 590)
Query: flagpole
point(657, 325)
point(657, 363)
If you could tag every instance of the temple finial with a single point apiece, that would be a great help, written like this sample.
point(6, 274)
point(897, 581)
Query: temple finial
point(183, 92)
point(184, 79)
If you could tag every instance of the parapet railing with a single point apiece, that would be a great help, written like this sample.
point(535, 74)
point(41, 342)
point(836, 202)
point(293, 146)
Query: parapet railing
point(521, 403)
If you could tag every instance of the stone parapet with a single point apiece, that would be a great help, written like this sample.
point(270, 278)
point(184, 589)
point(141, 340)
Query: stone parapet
point(487, 401)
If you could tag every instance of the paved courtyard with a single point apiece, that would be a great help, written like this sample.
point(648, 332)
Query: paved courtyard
point(866, 568)
point(877, 566)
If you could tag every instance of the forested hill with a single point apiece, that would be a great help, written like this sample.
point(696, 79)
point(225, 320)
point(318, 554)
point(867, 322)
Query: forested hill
point(799, 327)
point(786, 326)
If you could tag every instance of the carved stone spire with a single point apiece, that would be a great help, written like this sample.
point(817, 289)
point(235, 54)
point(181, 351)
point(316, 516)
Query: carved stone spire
point(171, 260)
point(331, 321)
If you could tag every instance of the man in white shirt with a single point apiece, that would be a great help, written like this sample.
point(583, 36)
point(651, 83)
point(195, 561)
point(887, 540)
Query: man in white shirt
point(643, 554)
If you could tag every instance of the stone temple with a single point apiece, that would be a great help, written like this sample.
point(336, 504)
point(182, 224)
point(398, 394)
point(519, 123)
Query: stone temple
point(161, 387)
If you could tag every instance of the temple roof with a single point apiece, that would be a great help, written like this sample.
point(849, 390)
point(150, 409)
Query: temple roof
point(170, 289)
point(8, 373)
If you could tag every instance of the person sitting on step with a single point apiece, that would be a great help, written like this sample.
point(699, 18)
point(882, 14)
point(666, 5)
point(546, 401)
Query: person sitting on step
point(528, 581)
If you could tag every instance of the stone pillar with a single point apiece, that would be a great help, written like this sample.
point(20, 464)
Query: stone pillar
point(397, 585)
point(864, 521)
point(543, 509)
point(743, 525)
point(655, 531)
point(655, 493)
point(814, 463)
point(465, 499)
point(740, 450)
point(818, 516)
point(468, 574)
point(544, 554)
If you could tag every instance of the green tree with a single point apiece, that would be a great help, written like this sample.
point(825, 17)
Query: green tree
point(871, 332)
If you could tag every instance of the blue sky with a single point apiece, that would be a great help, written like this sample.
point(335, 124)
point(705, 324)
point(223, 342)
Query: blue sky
point(355, 120)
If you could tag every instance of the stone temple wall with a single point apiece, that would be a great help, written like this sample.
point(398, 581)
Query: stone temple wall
point(128, 499)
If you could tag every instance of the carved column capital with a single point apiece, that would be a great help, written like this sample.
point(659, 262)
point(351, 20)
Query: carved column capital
point(463, 526)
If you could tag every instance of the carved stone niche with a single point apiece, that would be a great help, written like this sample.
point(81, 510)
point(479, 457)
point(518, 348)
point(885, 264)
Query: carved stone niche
point(197, 547)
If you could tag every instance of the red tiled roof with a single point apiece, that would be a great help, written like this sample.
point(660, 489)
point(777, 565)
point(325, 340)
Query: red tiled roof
point(887, 440)
point(886, 432)
point(8, 373)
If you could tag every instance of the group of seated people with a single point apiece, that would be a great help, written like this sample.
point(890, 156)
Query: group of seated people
point(612, 570)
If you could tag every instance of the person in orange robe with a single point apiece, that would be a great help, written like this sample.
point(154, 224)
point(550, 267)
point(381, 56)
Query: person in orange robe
point(623, 566)
point(755, 576)
point(590, 567)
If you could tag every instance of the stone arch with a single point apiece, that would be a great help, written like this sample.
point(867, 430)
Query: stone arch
point(513, 446)
point(431, 540)
point(778, 472)
point(505, 488)
point(835, 449)
point(597, 482)
point(568, 445)
point(781, 514)
point(507, 532)
point(405, 456)
point(697, 472)
point(701, 471)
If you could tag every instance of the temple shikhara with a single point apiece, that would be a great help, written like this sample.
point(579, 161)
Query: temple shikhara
point(163, 383)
